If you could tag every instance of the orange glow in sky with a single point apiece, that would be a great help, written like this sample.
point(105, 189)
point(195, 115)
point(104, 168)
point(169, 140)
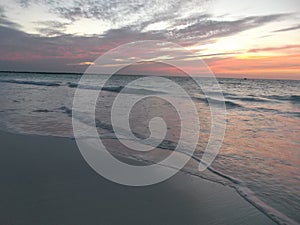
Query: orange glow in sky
point(286, 66)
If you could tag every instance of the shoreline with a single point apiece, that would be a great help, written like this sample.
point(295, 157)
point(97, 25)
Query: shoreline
point(237, 185)
point(55, 176)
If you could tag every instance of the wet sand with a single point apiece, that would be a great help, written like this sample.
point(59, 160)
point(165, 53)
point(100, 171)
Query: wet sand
point(45, 181)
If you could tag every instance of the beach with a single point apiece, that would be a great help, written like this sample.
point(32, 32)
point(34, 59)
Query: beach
point(149, 112)
point(45, 180)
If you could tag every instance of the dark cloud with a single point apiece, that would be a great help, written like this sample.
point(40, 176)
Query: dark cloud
point(4, 20)
point(116, 10)
point(49, 31)
point(285, 47)
point(53, 24)
point(31, 50)
point(220, 54)
point(51, 28)
point(196, 29)
point(206, 28)
point(288, 29)
point(24, 3)
point(27, 3)
point(21, 46)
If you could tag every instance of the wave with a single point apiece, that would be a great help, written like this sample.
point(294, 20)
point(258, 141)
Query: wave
point(276, 111)
point(234, 105)
point(226, 82)
point(212, 93)
point(291, 98)
point(43, 110)
point(117, 89)
point(39, 83)
point(66, 110)
point(234, 96)
point(248, 99)
point(295, 98)
point(229, 104)
point(165, 144)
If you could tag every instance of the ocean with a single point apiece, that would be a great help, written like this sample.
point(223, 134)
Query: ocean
point(260, 154)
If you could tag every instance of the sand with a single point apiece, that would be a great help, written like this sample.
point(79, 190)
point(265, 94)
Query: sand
point(45, 180)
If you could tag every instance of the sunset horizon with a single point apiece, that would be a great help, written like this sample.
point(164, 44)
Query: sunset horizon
point(235, 40)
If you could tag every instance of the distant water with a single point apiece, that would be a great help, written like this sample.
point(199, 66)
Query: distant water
point(260, 156)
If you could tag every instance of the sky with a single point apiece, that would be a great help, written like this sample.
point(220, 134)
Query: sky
point(250, 38)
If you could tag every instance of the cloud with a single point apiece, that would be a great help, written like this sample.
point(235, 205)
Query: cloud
point(68, 51)
point(197, 28)
point(220, 54)
point(51, 28)
point(288, 29)
point(202, 27)
point(4, 20)
point(114, 10)
point(20, 46)
point(24, 3)
point(285, 47)
point(81, 64)
point(71, 46)
point(182, 22)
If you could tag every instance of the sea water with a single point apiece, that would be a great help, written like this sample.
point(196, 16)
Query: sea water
point(260, 154)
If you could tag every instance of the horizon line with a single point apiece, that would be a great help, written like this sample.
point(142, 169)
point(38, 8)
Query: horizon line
point(81, 73)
